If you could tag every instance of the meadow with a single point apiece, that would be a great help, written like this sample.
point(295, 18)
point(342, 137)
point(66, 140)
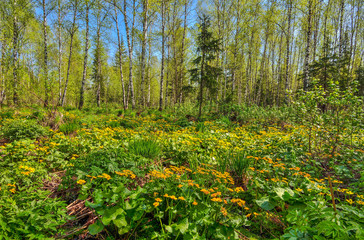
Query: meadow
point(113, 174)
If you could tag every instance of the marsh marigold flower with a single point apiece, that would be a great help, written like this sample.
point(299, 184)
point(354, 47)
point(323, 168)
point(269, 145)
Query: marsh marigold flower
point(205, 191)
point(223, 211)
point(216, 199)
point(81, 181)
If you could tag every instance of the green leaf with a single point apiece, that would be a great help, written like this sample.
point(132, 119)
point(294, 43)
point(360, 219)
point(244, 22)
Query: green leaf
point(169, 229)
point(111, 214)
point(284, 193)
point(265, 204)
point(183, 225)
point(120, 221)
point(96, 227)
point(124, 230)
point(92, 205)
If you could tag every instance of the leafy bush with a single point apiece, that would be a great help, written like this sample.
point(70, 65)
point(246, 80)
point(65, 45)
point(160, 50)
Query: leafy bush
point(30, 214)
point(38, 115)
point(22, 129)
point(145, 147)
point(225, 121)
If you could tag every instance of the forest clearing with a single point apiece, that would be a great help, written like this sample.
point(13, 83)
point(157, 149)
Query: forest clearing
point(164, 176)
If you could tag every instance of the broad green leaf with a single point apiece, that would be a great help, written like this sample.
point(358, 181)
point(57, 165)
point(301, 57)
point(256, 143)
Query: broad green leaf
point(183, 225)
point(284, 193)
point(111, 214)
point(265, 204)
point(96, 227)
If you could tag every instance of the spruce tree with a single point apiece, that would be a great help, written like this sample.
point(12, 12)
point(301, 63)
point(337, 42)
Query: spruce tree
point(205, 74)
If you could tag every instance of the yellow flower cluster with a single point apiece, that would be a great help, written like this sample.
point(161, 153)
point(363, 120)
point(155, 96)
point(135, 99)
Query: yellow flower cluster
point(126, 173)
point(238, 201)
point(224, 211)
point(28, 171)
point(216, 199)
point(174, 197)
point(81, 182)
point(104, 175)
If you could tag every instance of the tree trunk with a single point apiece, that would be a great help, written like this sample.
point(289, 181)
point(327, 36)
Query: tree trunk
point(286, 85)
point(307, 51)
point(98, 59)
point(2, 72)
point(46, 80)
point(341, 39)
point(130, 50)
point(279, 71)
point(200, 99)
point(149, 68)
point(162, 60)
point(167, 76)
point(15, 59)
point(174, 82)
point(120, 56)
point(356, 29)
point(181, 72)
point(73, 30)
point(144, 45)
point(84, 75)
point(59, 53)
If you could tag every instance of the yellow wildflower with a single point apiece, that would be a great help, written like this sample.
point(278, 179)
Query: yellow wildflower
point(81, 181)
point(216, 199)
point(223, 211)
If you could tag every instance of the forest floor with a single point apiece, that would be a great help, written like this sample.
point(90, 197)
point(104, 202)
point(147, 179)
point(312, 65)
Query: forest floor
point(163, 176)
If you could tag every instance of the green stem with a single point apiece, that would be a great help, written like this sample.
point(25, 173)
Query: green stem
point(136, 226)
point(161, 225)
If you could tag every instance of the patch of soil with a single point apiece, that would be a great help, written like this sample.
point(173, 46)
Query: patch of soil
point(3, 142)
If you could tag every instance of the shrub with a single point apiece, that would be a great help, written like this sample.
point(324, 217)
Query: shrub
point(225, 121)
point(22, 129)
point(38, 115)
